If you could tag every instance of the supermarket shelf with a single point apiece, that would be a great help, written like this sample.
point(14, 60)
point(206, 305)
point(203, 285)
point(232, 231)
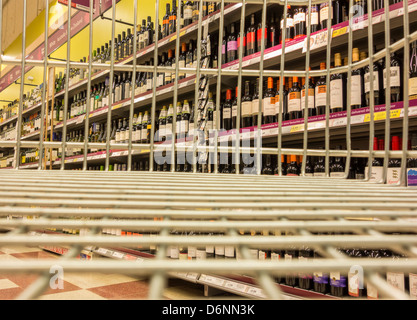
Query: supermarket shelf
point(293, 48)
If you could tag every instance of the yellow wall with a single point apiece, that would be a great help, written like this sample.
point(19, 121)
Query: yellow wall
point(79, 43)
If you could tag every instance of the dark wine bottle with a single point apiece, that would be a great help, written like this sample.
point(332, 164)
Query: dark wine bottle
point(294, 100)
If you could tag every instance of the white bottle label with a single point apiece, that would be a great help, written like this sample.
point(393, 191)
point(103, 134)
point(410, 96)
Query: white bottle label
point(144, 134)
point(314, 18)
point(275, 256)
point(336, 93)
point(396, 279)
point(219, 250)
point(394, 77)
point(294, 101)
point(376, 174)
point(229, 251)
point(355, 90)
point(192, 252)
point(234, 110)
point(269, 106)
point(413, 286)
point(412, 87)
point(367, 82)
point(310, 98)
point(255, 106)
point(200, 255)
point(246, 108)
point(321, 95)
point(393, 175)
point(227, 113)
point(175, 252)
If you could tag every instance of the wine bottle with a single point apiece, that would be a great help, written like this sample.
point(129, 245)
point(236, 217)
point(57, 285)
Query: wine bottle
point(234, 109)
point(251, 36)
point(232, 44)
point(255, 104)
point(294, 100)
point(172, 27)
point(181, 60)
point(314, 23)
point(412, 82)
point(324, 15)
point(269, 103)
point(289, 30)
point(272, 32)
point(169, 122)
point(188, 13)
point(395, 76)
point(162, 124)
point(337, 168)
point(284, 110)
point(227, 111)
point(377, 85)
point(311, 110)
point(185, 118)
point(356, 83)
point(178, 121)
point(299, 22)
point(336, 87)
point(259, 36)
point(267, 168)
point(394, 165)
point(292, 167)
point(165, 21)
point(247, 107)
point(224, 45)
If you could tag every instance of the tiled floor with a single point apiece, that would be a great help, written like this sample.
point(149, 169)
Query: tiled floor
point(86, 286)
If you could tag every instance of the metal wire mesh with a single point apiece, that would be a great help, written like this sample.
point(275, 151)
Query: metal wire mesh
point(245, 212)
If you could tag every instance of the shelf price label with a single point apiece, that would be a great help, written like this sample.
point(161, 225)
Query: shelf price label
point(382, 115)
point(297, 128)
point(339, 32)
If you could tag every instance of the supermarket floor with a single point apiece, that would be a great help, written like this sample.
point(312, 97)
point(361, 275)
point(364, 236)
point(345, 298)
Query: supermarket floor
point(87, 286)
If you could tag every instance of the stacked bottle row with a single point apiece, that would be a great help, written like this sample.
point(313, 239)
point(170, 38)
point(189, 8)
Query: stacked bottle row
point(321, 281)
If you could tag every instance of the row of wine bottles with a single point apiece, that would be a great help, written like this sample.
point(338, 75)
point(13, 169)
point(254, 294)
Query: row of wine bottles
point(321, 281)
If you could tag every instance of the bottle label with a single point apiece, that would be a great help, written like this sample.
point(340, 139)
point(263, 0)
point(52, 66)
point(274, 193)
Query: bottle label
point(393, 175)
point(192, 252)
point(336, 93)
point(255, 106)
point(353, 284)
point(412, 88)
point(232, 46)
point(320, 277)
point(229, 251)
point(168, 129)
point(355, 90)
point(275, 256)
point(269, 106)
point(310, 98)
point(117, 137)
point(219, 250)
point(413, 285)
point(324, 12)
point(160, 80)
point(299, 17)
point(294, 101)
point(396, 279)
point(367, 82)
point(246, 108)
point(188, 12)
point(223, 49)
point(254, 254)
point(227, 113)
point(184, 126)
point(250, 38)
point(175, 253)
point(209, 249)
point(162, 130)
point(314, 18)
point(394, 77)
point(144, 134)
point(262, 255)
point(200, 255)
point(105, 102)
point(234, 110)
point(337, 174)
point(336, 280)
point(181, 64)
point(376, 174)
point(371, 291)
point(290, 23)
